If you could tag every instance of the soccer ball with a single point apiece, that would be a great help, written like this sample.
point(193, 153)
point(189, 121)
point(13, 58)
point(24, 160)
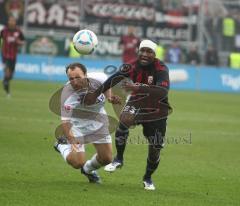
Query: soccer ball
point(85, 41)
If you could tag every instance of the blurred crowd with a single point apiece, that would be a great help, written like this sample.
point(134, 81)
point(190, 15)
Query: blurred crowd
point(211, 31)
point(176, 54)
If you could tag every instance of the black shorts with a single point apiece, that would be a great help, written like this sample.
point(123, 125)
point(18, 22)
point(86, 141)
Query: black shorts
point(151, 128)
point(9, 63)
point(155, 132)
point(151, 124)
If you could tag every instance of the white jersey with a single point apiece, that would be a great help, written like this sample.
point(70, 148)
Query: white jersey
point(86, 120)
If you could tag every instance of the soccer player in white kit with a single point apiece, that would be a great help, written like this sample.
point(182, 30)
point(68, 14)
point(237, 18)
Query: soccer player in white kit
point(84, 124)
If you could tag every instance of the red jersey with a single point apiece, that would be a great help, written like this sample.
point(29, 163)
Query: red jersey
point(9, 42)
point(130, 44)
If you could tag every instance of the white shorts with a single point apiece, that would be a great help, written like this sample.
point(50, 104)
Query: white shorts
point(81, 147)
point(105, 140)
point(92, 132)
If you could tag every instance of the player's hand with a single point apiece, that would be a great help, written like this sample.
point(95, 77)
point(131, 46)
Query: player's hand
point(128, 86)
point(114, 99)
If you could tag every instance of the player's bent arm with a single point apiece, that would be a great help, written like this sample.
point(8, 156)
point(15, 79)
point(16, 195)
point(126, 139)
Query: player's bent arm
point(66, 126)
point(163, 79)
point(160, 90)
point(139, 88)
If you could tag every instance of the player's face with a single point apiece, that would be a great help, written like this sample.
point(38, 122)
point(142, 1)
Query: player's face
point(146, 56)
point(77, 78)
point(11, 22)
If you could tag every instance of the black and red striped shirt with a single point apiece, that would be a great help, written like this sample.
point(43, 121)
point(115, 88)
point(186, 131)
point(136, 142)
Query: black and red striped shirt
point(9, 42)
point(154, 74)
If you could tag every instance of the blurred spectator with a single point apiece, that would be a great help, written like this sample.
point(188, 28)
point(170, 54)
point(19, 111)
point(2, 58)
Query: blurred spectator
point(234, 60)
point(211, 56)
point(72, 52)
point(228, 32)
point(193, 56)
point(213, 26)
point(69, 49)
point(174, 54)
point(128, 44)
point(237, 41)
point(160, 52)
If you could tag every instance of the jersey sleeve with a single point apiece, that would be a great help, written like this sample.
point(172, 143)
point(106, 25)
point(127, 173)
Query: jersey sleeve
point(162, 77)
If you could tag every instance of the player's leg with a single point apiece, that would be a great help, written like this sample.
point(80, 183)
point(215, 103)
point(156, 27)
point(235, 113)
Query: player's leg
point(101, 158)
point(77, 160)
point(103, 154)
point(121, 135)
point(76, 157)
point(153, 160)
point(155, 133)
point(8, 74)
point(73, 154)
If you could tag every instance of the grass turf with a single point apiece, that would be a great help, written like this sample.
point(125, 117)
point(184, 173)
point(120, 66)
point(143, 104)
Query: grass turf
point(200, 164)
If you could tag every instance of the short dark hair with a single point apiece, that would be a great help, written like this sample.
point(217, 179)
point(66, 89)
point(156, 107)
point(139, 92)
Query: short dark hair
point(76, 65)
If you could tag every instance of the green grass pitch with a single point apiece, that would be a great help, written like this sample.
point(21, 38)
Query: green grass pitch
point(200, 164)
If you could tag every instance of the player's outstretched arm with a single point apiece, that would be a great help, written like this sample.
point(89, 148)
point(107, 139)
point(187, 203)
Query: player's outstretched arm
point(90, 98)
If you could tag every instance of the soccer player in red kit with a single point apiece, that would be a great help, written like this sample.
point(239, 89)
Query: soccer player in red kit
point(11, 37)
point(129, 43)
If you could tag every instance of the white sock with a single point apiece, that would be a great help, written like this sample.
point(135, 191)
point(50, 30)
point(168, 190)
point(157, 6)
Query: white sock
point(91, 164)
point(64, 149)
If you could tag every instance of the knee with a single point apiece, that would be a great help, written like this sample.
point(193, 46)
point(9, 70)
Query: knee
point(156, 141)
point(105, 159)
point(127, 119)
point(75, 163)
point(121, 133)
